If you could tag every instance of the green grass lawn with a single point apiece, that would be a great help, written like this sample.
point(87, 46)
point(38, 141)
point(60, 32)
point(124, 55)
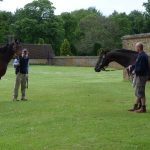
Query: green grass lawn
point(72, 108)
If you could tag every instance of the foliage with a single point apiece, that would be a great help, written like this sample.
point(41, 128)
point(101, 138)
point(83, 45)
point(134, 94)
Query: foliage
point(96, 48)
point(137, 20)
point(69, 25)
point(65, 48)
point(147, 6)
point(41, 41)
point(83, 28)
point(37, 20)
point(6, 23)
point(96, 29)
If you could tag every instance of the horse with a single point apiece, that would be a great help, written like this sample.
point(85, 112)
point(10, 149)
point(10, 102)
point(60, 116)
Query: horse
point(123, 57)
point(7, 52)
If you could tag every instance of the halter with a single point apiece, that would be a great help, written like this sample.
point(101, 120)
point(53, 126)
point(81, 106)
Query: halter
point(102, 68)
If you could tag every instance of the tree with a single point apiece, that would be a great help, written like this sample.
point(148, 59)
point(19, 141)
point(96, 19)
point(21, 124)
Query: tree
point(26, 29)
point(96, 48)
point(65, 49)
point(137, 20)
point(38, 9)
point(123, 23)
point(70, 26)
point(37, 20)
point(96, 29)
point(82, 13)
point(147, 16)
point(147, 7)
point(6, 22)
point(41, 41)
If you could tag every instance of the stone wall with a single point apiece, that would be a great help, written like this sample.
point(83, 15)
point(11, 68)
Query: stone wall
point(129, 41)
point(39, 62)
point(82, 61)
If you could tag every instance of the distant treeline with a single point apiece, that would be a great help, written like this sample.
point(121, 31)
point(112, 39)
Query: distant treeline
point(81, 32)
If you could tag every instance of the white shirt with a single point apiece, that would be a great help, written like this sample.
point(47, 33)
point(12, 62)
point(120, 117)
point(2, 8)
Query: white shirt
point(16, 62)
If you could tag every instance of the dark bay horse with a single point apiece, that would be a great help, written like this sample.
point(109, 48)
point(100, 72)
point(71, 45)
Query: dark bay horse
point(123, 57)
point(6, 54)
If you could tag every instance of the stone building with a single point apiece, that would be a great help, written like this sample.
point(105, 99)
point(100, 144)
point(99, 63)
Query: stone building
point(129, 41)
point(39, 54)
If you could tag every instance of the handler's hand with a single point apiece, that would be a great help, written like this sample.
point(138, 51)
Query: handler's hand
point(129, 67)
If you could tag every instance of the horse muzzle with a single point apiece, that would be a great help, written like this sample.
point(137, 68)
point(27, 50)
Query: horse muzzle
point(97, 70)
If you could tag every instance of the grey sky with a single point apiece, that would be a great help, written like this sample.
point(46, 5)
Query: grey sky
point(105, 6)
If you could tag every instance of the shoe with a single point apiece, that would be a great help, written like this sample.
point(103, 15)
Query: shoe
point(141, 110)
point(15, 99)
point(23, 99)
point(135, 107)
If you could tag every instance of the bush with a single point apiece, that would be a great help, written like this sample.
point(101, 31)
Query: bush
point(65, 48)
point(41, 41)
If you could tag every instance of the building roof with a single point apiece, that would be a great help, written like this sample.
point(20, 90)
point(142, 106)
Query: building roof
point(37, 51)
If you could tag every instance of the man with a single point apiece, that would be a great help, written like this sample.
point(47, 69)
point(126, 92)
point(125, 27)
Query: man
point(141, 70)
point(21, 68)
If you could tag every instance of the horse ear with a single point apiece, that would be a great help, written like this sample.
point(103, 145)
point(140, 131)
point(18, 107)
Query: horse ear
point(17, 41)
point(102, 51)
point(106, 51)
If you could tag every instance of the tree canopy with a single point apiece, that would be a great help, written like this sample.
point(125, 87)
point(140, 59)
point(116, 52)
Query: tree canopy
point(86, 30)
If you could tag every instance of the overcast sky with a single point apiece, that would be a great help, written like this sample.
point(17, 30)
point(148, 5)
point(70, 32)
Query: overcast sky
point(105, 6)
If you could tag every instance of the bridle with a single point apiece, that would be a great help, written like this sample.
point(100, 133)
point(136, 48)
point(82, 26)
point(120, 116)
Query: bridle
point(101, 63)
point(16, 46)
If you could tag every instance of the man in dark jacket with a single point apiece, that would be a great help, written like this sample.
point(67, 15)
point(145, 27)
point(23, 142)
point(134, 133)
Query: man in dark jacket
point(21, 69)
point(141, 70)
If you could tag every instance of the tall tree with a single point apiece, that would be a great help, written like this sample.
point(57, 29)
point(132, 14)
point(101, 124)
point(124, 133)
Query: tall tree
point(147, 6)
point(65, 48)
point(6, 23)
point(147, 16)
point(96, 29)
point(37, 20)
point(70, 26)
point(137, 20)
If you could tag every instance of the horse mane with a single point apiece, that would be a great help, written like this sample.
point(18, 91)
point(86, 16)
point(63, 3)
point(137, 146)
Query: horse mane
point(126, 51)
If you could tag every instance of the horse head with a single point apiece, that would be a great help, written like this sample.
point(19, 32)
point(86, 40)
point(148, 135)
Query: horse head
point(16, 47)
point(102, 61)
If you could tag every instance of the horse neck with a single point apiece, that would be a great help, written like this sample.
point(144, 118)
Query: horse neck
point(124, 59)
point(7, 56)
